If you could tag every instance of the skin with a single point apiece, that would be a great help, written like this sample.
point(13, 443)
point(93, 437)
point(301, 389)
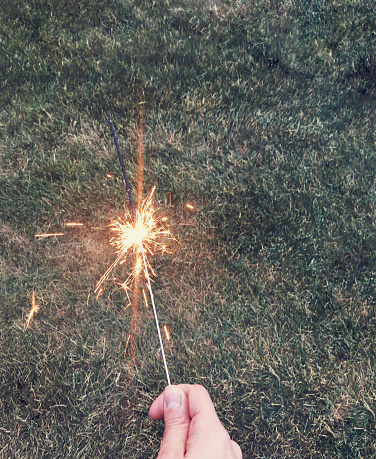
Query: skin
point(192, 427)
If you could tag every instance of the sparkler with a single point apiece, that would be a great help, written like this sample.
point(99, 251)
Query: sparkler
point(139, 235)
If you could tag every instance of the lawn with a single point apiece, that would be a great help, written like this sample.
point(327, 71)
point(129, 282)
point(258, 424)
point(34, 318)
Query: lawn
point(260, 114)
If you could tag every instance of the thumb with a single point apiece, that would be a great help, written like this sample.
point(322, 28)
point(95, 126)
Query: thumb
point(177, 421)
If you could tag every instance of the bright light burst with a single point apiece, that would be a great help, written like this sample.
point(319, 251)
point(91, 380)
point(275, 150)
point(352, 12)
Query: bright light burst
point(130, 237)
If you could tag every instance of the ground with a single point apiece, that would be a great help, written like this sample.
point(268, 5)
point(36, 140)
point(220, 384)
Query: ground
point(259, 114)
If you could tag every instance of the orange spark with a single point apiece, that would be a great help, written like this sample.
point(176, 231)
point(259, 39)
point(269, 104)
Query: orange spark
point(109, 176)
point(145, 299)
point(34, 309)
point(189, 206)
point(49, 234)
point(99, 292)
point(74, 224)
point(167, 333)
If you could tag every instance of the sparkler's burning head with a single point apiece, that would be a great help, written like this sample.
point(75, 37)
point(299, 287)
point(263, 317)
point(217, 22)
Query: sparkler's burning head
point(146, 233)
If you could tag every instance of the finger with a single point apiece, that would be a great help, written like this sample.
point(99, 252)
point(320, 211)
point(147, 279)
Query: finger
point(177, 421)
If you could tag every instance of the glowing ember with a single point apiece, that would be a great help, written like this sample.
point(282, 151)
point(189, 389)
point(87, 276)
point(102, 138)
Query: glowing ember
point(34, 309)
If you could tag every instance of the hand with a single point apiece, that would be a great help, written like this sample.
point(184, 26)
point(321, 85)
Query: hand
point(192, 427)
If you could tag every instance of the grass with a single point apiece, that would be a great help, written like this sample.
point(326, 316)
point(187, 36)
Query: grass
point(261, 114)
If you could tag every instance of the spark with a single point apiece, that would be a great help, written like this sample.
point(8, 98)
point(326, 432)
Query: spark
point(49, 235)
point(189, 206)
point(74, 224)
point(34, 309)
point(99, 292)
point(145, 299)
point(167, 333)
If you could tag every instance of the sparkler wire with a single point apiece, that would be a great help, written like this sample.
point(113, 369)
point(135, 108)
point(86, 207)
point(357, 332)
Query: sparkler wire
point(155, 315)
point(122, 167)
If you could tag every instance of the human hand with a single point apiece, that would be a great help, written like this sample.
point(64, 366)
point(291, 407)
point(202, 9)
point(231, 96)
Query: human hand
point(192, 427)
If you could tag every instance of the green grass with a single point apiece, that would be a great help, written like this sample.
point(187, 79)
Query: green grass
point(261, 114)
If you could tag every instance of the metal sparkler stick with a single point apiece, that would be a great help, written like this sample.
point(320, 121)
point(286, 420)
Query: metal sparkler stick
point(155, 315)
point(142, 252)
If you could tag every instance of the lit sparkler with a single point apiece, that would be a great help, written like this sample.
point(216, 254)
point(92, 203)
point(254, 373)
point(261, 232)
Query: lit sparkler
point(139, 233)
